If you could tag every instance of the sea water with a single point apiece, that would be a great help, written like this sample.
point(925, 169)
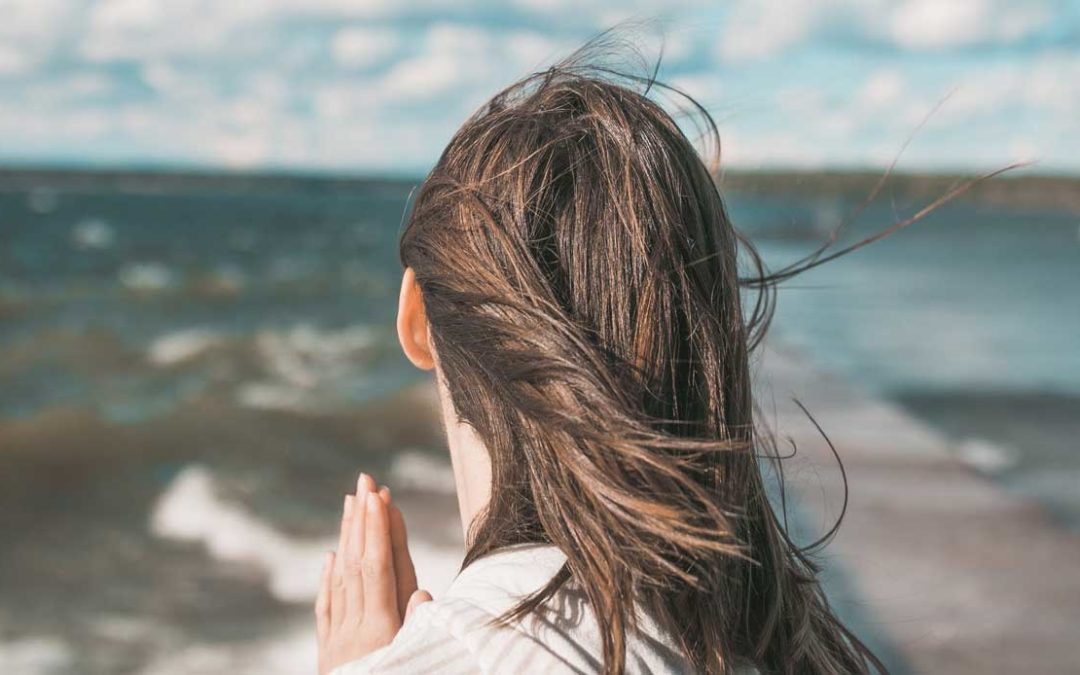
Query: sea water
point(192, 371)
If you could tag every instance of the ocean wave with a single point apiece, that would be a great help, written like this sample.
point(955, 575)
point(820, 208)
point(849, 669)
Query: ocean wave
point(276, 396)
point(35, 655)
point(415, 470)
point(180, 346)
point(307, 368)
point(985, 455)
point(146, 277)
point(303, 355)
point(191, 510)
point(93, 233)
point(291, 651)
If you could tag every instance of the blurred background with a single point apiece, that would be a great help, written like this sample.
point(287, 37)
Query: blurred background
point(199, 205)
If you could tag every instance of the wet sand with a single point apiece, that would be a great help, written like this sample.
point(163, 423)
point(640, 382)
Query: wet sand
point(956, 574)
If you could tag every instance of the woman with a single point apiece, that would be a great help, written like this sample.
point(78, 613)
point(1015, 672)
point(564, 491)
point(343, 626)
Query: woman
point(571, 277)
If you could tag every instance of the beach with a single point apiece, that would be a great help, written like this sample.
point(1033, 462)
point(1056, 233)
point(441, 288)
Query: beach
point(948, 571)
point(195, 368)
point(941, 570)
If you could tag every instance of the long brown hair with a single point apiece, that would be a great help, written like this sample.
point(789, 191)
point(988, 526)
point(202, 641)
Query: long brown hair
point(581, 279)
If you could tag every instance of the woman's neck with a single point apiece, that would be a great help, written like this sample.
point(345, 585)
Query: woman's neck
point(471, 462)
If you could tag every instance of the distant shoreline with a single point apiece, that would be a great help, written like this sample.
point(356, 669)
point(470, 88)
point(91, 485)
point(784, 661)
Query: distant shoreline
point(1019, 190)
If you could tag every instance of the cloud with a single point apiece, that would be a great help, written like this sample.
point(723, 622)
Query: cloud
point(13, 61)
point(363, 46)
point(761, 30)
point(382, 84)
point(451, 54)
point(936, 24)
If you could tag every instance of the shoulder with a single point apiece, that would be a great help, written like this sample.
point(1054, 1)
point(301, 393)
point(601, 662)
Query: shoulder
point(427, 642)
point(456, 633)
point(453, 635)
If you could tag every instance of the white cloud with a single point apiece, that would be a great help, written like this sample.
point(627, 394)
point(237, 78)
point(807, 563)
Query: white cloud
point(702, 86)
point(382, 84)
point(943, 24)
point(139, 30)
point(530, 50)
point(126, 14)
point(884, 87)
point(34, 19)
point(13, 60)
point(754, 30)
point(467, 59)
point(362, 47)
point(760, 30)
point(29, 29)
point(422, 77)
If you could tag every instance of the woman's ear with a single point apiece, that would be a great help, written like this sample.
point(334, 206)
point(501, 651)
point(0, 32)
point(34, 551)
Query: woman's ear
point(412, 325)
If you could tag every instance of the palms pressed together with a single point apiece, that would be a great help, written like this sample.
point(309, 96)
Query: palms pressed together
point(368, 586)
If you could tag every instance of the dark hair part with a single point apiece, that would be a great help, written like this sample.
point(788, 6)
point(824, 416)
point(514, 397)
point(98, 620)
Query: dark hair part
point(580, 276)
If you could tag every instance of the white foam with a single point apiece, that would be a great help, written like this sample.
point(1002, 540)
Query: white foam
point(191, 510)
point(146, 276)
point(307, 368)
point(985, 455)
point(35, 655)
point(93, 233)
point(289, 652)
point(274, 396)
point(173, 348)
point(416, 470)
point(304, 354)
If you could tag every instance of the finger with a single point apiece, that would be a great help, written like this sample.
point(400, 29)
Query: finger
point(354, 583)
point(365, 483)
point(404, 570)
point(337, 581)
point(322, 600)
point(415, 600)
point(380, 589)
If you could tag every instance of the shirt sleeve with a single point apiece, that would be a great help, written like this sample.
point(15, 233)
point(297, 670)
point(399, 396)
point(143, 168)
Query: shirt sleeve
point(426, 643)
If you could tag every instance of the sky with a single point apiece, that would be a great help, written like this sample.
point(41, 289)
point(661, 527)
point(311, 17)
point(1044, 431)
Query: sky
point(380, 86)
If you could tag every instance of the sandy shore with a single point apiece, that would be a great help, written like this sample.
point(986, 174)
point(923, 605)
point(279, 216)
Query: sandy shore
point(956, 574)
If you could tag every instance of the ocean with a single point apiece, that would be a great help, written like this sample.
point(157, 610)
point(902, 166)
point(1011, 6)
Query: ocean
point(194, 368)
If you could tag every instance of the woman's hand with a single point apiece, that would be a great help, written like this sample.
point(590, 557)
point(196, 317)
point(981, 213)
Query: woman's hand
point(369, 585)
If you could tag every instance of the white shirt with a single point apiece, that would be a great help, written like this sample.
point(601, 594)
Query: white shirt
point(451, 634)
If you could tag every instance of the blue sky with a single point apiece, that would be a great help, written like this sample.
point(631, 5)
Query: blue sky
point(379, 86)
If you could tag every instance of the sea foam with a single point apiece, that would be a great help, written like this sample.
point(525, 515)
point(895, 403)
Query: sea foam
point(35, 655)
point(307, 368)
point(173, 348)
point(92, 233)
point(191, 510)
point(985, 455)
point(416, 470)
point(146, 276)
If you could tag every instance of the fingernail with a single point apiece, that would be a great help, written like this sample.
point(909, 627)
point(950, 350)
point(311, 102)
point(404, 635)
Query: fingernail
point(372, 502)
point(348, 508)
point(362, 482)
point(386, 490)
